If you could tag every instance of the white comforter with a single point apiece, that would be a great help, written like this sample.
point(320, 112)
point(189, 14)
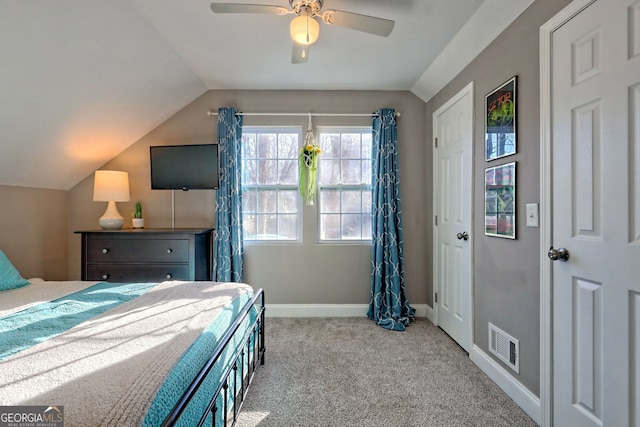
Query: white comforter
point(107, 370)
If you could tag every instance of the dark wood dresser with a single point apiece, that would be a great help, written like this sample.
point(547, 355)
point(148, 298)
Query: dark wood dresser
point(146, 255)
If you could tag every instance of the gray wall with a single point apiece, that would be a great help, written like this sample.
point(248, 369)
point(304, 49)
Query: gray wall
point(307, 273)
point(506, 272)
point(33, 231)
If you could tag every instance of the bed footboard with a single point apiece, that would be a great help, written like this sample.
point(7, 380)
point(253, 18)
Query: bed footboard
point(234, 380)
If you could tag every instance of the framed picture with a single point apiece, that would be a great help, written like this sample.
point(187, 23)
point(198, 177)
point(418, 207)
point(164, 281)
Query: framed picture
point(500, 201)
point(500, 121)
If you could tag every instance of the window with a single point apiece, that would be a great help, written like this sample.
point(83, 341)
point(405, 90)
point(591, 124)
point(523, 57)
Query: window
point(270, 198)
point(344, 184)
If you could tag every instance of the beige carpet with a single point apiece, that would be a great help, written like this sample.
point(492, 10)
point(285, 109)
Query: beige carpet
point(350, 372)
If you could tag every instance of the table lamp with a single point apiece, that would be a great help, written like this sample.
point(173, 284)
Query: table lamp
point(112, 187)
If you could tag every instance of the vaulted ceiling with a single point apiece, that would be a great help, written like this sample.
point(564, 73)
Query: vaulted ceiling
point(81, 80)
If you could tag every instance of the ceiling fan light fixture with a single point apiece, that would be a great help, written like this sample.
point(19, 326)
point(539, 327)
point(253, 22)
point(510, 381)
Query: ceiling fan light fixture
point(304, 29)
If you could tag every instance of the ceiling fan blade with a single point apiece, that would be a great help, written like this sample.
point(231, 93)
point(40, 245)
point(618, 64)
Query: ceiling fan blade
point(300, 53)
point(248, 8)
point(368, 24)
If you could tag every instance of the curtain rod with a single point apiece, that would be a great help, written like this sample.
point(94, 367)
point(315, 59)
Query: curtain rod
point(215, 113)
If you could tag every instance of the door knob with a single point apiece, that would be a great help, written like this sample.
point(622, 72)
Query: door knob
point(558, 254)
point(463, 236)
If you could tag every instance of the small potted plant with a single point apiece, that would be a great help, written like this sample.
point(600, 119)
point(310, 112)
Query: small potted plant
point(137, 221)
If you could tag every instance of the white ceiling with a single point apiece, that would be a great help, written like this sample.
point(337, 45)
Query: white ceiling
point(81, 80)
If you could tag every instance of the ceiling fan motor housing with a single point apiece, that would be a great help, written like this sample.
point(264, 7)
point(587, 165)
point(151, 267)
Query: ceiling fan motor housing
point(311, 7)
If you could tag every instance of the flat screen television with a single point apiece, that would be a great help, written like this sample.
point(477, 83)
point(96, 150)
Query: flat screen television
point(184, 167)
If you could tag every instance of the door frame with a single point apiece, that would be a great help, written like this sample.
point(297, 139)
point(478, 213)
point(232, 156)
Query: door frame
point(467, 90)
point(546, 216)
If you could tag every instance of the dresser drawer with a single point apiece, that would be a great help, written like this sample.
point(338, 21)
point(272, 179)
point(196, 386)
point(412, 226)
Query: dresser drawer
point(137, 273)
point(137, 250)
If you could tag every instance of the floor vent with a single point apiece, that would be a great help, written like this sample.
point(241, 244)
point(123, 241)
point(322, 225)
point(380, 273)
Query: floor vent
point(505, 347)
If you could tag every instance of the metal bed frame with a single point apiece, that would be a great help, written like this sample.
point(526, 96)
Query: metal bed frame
point(251, 350)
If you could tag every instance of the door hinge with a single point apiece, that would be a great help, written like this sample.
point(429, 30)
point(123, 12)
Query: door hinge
point(436, 142)
point(436, 297)
point(436, 219)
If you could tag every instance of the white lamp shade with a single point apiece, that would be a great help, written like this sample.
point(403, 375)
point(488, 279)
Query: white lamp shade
point(111, 186)
point(304, 30)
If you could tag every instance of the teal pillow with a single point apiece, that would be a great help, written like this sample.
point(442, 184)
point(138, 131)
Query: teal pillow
point(9, 276)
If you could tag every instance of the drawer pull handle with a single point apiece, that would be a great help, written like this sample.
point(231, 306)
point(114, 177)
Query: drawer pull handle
point(169, 250)
point(168, 276)
point(105, 276)
point(105, 250)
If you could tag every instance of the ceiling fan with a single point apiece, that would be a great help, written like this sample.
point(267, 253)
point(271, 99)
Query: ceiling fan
point(304, 28)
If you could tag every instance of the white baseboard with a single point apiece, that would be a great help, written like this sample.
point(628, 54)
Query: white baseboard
point(430, 314)
point(514, 389)
point(328, 310)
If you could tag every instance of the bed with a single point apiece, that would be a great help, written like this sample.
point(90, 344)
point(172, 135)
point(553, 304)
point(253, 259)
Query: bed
point(115, 354)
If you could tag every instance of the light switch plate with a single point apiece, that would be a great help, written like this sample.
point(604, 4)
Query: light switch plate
point(532, 215)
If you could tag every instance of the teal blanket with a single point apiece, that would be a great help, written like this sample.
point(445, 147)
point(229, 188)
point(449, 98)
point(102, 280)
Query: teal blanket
point(39, 323)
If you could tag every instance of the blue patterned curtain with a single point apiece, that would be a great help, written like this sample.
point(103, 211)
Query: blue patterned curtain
point(388, 306)
point(228, 249)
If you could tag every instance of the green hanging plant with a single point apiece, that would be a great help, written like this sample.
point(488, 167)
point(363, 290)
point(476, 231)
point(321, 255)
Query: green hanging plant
point(308, 166)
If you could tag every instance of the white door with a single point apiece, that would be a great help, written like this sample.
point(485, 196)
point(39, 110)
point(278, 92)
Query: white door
point(452, 200)
point(595, 140)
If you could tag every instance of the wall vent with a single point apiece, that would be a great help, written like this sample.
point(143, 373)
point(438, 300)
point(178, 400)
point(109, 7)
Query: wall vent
point(505, 347)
